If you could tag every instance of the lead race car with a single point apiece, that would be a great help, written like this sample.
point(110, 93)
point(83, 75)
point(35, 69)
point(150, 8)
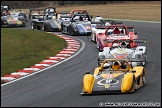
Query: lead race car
point(80, 24)
point(136, 56)
point(116, 32)
point(113, 76)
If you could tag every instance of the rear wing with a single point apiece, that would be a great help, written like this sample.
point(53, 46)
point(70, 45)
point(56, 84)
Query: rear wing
point(130, 60)
point(65, 16)
point(101, 27)
point(136, 60)
point(126, 40)
point(96, 22)
point(39, 17)
point(112, 22)
point(130, 28)
point(39, 11)
point(63, 12)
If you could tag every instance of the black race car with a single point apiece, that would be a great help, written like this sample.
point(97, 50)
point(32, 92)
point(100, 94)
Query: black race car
point(47, 21)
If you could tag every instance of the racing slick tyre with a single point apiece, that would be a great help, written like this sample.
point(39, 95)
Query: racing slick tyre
point(143, 78)
point(32, 26)
point(98, 46)
point(133, 88)
point(22, 14)
point(46, 27)
point(38, 28)
point(144, 63)
point(23, 24)
point(71, 32)
point(43, 28)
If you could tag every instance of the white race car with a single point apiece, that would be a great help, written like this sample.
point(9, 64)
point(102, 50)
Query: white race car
point(136, 57)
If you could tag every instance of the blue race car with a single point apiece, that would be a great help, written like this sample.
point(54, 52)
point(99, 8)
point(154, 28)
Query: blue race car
point(80, 24)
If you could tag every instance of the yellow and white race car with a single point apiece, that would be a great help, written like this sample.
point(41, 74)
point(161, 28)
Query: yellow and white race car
point(113, 76)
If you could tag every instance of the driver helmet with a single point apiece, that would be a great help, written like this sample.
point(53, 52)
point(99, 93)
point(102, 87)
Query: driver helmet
point(51, 10)
point(106, 66)
point(5, 7)
point(76, 12)
point(123, 44)
point(134, 64)
point(49, 16)
point(98, 19)
point(115, 45)
point(107, 24)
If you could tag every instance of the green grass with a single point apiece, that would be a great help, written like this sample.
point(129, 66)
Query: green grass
point(23, 48)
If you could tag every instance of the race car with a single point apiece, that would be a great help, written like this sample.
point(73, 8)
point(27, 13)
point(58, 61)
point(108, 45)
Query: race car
point(99, 25)
point(80, 11)
point(6, 9)
point(136, 56)
point(113, 76)
point(79, 24)
point(12, 21)
point(116, 32)
point(47, 21)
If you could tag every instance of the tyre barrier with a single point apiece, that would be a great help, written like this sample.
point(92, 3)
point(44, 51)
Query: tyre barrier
point(73, 46)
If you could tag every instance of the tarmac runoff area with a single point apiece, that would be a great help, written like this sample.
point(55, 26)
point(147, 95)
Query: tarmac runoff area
point(73, 46)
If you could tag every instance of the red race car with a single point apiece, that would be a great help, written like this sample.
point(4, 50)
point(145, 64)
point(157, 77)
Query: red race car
point(116, 32)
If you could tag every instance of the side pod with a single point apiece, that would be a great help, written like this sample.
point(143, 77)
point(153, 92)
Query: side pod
point(127, 82)
point(88, 82)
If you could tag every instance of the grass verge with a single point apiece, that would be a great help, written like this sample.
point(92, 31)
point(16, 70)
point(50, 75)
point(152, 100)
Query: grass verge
point(23, 48)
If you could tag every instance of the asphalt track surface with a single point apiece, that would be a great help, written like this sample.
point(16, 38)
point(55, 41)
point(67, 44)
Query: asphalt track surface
point(60, 86)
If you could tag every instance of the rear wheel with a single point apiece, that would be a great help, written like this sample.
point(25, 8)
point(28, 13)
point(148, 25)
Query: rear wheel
point(97, 45)
point(43, 28)
point(32, 26)
point(23, 24)
point(71, 32)
point(38, 27)
point(143, 78)
point(133, 85)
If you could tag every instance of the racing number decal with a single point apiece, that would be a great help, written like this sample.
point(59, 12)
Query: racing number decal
point(109, 81)
point(87, 27)
point(109, 76)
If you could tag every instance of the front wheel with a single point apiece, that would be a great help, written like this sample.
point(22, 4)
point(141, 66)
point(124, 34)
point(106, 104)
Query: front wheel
point(143, 78)
point(71, 32)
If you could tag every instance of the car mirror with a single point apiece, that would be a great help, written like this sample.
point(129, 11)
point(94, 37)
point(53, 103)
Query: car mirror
point(133, 71)
point(87, 72)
